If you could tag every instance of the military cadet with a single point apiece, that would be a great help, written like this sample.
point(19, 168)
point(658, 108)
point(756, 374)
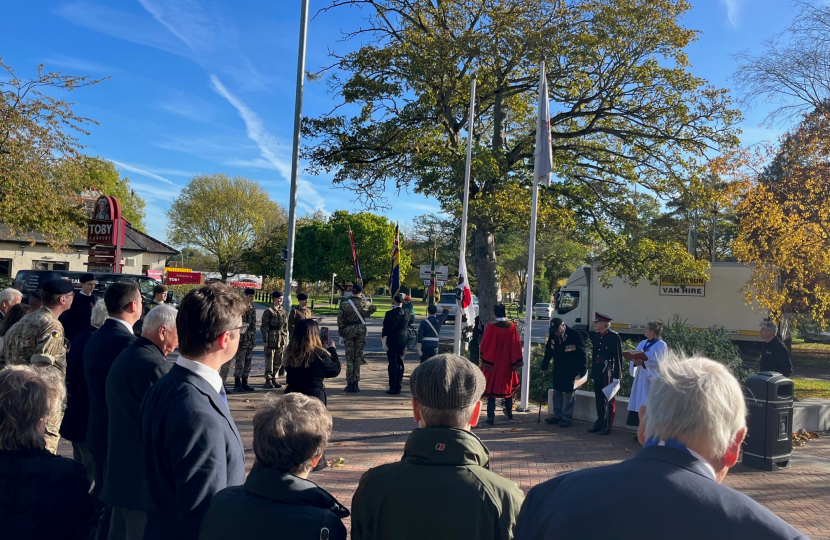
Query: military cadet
point(351, 325)
point(38, 339)
point(298, 312)
point(606, 369)
point(274, 330)
point(245, 352)
point(159, 297)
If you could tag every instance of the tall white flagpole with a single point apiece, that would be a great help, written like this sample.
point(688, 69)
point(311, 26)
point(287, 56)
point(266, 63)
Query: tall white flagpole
point(456, 347)
point(542, 167)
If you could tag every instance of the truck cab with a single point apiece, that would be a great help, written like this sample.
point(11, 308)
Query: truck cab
point(571, 301)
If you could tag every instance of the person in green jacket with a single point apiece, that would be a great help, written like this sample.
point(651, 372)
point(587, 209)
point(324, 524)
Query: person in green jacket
point(442, 488)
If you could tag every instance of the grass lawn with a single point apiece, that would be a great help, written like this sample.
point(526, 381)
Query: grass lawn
point(383, 303)
point(812, 355)
point(811, 389)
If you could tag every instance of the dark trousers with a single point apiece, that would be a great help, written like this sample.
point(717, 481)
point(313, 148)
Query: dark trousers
point(105, 511)
point(394, 354)
point(427, 352)
point(491, 406)
point(606, 409)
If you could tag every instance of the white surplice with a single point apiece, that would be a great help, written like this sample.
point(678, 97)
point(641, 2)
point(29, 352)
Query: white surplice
point(646, 375)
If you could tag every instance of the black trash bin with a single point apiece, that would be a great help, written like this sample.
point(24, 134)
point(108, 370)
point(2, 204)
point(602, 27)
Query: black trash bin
point(769, 403)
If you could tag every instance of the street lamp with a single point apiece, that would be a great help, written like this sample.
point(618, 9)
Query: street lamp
point(331, 298)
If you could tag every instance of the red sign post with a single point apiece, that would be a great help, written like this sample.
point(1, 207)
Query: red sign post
point(105, 233)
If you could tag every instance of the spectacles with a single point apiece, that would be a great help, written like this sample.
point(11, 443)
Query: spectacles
point(242, 329)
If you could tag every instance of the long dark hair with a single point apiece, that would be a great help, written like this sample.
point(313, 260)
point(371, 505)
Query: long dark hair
point(15, 313)
point(305, 344)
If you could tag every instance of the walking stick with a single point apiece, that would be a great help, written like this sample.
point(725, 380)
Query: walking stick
point(539, 418)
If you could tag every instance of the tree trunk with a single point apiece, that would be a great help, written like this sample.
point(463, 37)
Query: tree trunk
point(484, 260)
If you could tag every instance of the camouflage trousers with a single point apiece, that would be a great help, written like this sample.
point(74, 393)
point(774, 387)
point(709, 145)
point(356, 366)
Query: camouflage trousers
point(354, 338)
point(52, 435)
point(273, 361)
point(242, 366)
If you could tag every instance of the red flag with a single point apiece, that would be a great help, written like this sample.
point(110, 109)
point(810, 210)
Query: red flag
point(357, 274)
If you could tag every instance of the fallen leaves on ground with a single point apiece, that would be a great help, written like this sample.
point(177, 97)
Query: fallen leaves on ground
point(801, 437)
point(337, 462)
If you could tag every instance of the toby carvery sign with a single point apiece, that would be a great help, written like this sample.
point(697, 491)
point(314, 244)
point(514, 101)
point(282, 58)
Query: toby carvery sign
point(682, 286)
point(105, 227)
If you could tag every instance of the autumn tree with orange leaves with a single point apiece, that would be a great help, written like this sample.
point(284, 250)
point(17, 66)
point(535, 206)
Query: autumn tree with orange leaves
point(784, 225)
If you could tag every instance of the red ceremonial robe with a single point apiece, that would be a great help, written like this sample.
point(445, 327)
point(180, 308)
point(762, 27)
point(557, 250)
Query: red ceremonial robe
point(501, 356)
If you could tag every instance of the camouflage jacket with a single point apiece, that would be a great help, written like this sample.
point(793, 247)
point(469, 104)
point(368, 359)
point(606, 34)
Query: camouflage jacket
point(348, 317)
point(297, 314)
point(39, 335)
point(274, 327)
point(248, 340)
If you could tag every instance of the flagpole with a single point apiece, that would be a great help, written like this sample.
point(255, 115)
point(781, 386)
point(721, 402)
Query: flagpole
point(456, 347)
point(531, 259)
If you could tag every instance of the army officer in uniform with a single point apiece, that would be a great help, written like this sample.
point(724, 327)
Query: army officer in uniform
point(566, 346)
point(605, 369)
point(38, 339)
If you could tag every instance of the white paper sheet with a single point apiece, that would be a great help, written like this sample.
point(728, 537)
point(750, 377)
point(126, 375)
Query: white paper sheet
point(579, 382)
point(611, 390)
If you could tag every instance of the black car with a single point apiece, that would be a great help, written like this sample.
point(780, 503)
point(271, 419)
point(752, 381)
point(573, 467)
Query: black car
point(28, 281)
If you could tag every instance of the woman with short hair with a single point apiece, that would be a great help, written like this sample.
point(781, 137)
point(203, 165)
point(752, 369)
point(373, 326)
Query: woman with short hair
point(645, 372)
point(278, 500)
point(34, 483)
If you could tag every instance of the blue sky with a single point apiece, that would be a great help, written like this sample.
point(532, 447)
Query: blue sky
point(203, 87)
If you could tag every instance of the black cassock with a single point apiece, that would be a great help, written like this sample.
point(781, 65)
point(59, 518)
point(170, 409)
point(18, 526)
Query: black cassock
point(606, 366)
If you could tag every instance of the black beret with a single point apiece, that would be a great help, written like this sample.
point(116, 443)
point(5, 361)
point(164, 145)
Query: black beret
point(58, 286)
point(302, 296)
point(357, 288)
point(87, 277)
point(250, 292)
point(276, 294)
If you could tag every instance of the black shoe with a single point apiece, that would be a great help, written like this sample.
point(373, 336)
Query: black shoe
point(565, 423)
point(268, 384)
point(393, 392)
point(349, 388)
point(605, 432)
point(247, 387)
point(355, 387)
point(237, 384)
point(490, 421)
point(277, 385)
point(595, 430)
point(508, 413)
point(552, 420)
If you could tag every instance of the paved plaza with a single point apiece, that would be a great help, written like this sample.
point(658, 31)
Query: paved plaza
point(370, 429)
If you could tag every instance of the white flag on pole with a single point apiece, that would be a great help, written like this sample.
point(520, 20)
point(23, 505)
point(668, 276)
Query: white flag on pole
point(465, 300)
point(543, 154)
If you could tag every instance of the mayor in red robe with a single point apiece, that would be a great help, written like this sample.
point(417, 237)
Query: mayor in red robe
point(501, 358)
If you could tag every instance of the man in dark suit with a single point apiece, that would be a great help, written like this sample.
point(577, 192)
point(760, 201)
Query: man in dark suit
point(395, 323)
point(674, 484)
point(776, 356)
point(132, 374)
point(566, 346)
point(76, 319)
point(123, 302)
point(190, 446)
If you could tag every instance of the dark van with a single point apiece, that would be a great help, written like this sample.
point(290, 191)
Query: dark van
point(28, 281)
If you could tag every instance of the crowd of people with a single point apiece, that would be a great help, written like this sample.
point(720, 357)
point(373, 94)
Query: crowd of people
point(157, 453)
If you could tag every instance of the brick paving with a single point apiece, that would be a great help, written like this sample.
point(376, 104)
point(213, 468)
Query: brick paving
point(370, 429)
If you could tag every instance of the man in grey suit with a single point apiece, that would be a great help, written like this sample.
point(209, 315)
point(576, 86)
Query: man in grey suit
point(692, 427)
point(190, 446)
point(133, 373)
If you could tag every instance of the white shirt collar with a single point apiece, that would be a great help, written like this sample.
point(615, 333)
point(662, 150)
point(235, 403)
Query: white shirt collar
point(709, 468)
point(83, 293)
point(500, 319)
point(208, 374)
point(125, 323)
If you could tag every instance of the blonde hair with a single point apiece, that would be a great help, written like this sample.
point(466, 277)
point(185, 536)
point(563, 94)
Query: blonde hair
point(27, 396)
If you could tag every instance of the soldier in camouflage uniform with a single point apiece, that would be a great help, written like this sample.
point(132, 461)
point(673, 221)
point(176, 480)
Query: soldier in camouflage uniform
point(274, 330)
point(298, 312)
point(242, 365)
point(353, 332)
point(38, 339)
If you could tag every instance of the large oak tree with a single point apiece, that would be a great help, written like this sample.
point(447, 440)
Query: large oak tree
point(625, 111)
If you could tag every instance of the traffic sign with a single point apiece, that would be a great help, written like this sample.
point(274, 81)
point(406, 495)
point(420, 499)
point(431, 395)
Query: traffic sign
point(441, 272)
point(102, 251)
point(427, 282)
point(102, 260)
point(107, 269)
point(441, 283)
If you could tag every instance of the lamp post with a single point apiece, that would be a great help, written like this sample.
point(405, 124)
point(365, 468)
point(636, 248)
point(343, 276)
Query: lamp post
point(331, 298)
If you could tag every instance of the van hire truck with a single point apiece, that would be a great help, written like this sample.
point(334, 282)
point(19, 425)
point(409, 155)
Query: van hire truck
point(718, 301)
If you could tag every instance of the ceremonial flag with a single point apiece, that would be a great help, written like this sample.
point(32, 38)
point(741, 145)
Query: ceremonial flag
point(543, 154)
point(465, 298)
point(357, 274)
point(395, 276)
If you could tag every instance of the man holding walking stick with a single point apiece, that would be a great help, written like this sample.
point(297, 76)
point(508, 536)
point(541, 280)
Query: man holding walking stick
point(566, 346)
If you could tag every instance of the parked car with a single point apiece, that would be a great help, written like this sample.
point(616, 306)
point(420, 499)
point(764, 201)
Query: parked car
point(447, 301)
point(818, 337)
point(542, 311)
point(28, 281)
